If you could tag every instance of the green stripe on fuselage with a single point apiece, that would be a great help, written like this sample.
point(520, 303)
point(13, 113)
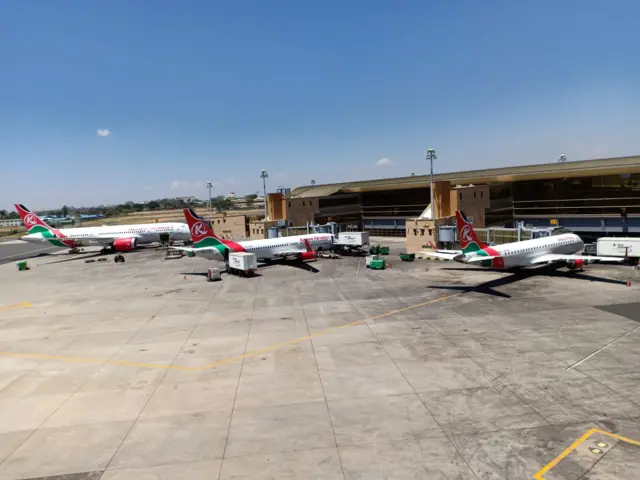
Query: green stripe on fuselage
point(212, 242)
point(47, 235)
point(471, 247)
point(485, 263)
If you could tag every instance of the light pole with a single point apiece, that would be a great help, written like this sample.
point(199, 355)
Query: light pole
point(431, 156)
point(263, 176)
point(209, 185)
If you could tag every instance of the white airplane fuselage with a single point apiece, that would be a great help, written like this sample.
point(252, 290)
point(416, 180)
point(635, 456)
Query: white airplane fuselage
point(271, 248)
point(524, 254)
point(144, 233)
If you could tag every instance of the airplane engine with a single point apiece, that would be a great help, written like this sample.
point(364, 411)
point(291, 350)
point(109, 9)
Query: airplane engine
point(576, 264)
point(124, 244)
point(305, 256)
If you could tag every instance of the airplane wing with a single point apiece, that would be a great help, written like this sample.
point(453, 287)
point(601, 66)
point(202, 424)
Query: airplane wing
point(554, 257)
point(457, 252)
point(444, 256)
point(306, 254)
point(99, 240)
point(191, 251)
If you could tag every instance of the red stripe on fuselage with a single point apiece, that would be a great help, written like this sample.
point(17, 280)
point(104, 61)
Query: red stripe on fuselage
point(495, 262)
point(236, 247)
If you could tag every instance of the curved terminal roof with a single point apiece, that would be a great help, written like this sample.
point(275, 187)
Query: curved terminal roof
point(582, 168)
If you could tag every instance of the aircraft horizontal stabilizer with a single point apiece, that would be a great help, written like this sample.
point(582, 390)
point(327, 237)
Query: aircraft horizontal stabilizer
point(445, 256)
point(191, 250)
point(478, 259)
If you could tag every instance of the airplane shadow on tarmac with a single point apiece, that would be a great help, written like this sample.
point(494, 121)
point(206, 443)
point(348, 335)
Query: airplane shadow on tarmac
point(488, 288)
point(79, 256)
point(301, 265)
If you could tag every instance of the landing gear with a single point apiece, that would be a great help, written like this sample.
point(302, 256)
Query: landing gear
point(165, 239)
point(76, 250)
point(118, 258)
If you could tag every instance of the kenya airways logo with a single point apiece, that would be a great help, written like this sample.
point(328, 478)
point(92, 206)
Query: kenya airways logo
point(198, 229)
point(465, 234)
point(30, 220)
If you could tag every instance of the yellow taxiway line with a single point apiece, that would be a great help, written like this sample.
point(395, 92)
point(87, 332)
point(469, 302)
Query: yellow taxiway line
point(15, 306)
point(540, 475)
point(226, 360)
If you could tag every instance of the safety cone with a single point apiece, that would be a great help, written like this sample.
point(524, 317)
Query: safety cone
point(444, 295)
point(185, 277)
point(628, 283)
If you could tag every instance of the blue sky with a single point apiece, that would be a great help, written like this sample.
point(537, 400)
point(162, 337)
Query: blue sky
point(206, 90)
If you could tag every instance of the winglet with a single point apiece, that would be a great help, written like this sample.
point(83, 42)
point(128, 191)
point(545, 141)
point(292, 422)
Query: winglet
point(308, 245)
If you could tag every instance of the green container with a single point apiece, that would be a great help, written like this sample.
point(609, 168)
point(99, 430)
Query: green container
point(377, 264)
point(374, 250)
point(384, 250)
point(22, 265)
point(407, 257)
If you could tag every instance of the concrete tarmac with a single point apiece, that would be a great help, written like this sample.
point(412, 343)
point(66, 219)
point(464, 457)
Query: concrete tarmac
point(14, 250)
point(143, 369)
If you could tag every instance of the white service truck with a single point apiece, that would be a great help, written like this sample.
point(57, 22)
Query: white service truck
point(242, 263)
point(352, 243)
point(619, 247)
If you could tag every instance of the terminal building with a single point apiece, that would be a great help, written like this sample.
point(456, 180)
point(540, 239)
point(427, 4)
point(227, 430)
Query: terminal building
point(594, 198)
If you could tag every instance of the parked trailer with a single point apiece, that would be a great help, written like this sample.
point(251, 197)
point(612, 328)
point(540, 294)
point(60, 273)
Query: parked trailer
point(619, 247)
point(244, 264)
point(356, 239)
point(351, 243)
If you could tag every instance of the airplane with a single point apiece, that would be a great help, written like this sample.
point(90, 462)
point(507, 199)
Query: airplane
point(557, 250)
point(120, 238)
point(210, 246)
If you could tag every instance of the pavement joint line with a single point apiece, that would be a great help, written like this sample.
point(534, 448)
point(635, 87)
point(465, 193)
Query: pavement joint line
point(15, 306)
point(544, 470)
point(579, 362)
point(235, 394)
point(317, 369)
point(225, 361)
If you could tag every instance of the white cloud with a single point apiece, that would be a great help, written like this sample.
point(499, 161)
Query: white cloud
point(186, 185)
point(383, 162)
point(103, 132)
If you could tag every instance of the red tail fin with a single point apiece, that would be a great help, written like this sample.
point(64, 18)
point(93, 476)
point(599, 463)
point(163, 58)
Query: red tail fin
point(467, 236)
point(198, 226)
point(30, 219)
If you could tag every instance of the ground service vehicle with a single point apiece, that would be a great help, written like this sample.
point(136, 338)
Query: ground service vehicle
point(242, 263)
point(619, 247)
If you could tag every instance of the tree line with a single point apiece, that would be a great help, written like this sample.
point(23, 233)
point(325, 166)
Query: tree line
point(219, 203)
